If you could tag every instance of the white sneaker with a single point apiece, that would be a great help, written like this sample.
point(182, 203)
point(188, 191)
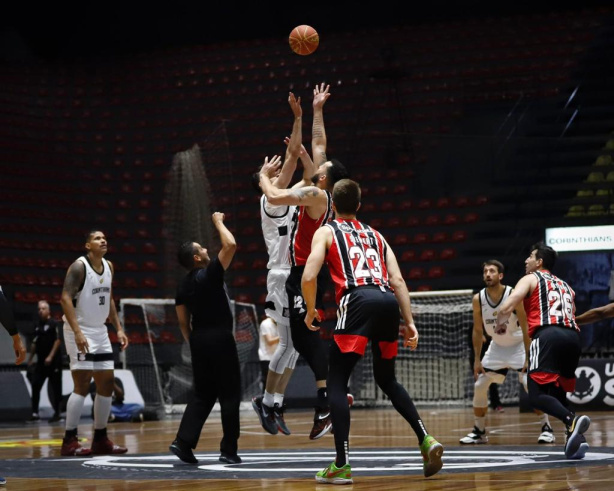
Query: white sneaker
point(547, 435)
point(476, 436)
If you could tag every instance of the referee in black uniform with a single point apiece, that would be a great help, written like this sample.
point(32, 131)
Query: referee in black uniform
point(205, 319)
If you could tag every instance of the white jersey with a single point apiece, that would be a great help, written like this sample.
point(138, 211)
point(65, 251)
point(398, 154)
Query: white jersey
point(276, 222)
point(93, 302)
point(513, 334)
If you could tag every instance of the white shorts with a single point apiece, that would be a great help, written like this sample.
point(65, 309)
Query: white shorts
point(276, 306)
point(99, 347)
point(498, 357)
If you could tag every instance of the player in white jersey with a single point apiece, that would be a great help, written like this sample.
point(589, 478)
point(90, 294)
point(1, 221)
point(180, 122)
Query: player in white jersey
point(87, 301)
point(507, 350)
point(276, 223)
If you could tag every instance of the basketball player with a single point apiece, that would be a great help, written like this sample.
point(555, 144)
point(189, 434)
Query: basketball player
point(87, 301)
point(205, 320)
point(313, 209)
point(596, 314)
point(505, 351)
point(276, 225)
point(8, 321)
point(555, 342)
point(369, 291)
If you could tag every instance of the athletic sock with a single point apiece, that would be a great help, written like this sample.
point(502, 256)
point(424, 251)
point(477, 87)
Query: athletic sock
point(102, 409)
point(278, 399)
point(268, 399)
point(480, 423)
point(74, 406)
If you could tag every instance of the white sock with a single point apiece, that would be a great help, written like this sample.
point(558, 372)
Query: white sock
point(268, 399)
point(74, 406)
point(544, 419)
point(278, 399)
point(102, 409)
point(480, 423)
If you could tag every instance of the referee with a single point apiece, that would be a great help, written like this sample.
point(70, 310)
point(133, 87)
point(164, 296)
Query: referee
point(205, 319)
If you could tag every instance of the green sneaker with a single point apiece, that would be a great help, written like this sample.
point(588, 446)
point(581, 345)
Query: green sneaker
point(431, 451)
point(334, 475)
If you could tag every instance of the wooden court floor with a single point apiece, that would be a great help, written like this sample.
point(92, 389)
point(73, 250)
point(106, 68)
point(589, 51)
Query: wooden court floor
point(381, 445)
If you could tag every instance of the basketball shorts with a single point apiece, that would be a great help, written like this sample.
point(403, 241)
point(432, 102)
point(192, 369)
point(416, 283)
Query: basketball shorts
point(100, 354)
point(276, 306)
point(296, 302)
point(555, 350)
point(498, 357)
point(368, 313)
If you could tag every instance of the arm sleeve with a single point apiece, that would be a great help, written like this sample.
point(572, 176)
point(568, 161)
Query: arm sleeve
point(6, 315)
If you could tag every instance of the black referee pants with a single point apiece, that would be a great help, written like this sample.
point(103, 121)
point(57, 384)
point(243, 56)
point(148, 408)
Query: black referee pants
point(217, 375)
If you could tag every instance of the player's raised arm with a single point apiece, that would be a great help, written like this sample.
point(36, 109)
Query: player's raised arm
point(294, 144)
point(318, 133)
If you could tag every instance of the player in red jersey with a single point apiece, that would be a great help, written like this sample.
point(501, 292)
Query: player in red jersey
point(313, 209)
point(555, 342)
point(369, 290)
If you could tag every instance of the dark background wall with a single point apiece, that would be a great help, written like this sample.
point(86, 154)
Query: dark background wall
point(471, 127)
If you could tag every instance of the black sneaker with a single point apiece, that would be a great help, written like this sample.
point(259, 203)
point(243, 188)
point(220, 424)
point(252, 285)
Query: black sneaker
point(34, 418)
point(182, 451)
point(278, 413)
point(226, 458)
point(265, 415)
point(322, 423)
point(575, 442)
point(55, 418)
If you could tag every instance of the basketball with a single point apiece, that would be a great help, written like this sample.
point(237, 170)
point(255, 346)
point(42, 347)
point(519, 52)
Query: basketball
point(304, 40)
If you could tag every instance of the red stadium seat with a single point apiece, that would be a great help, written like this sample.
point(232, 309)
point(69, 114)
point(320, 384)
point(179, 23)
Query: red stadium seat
point(427, 255)
point(459, 236)
point(432, 220)
point(447, 253)
point(439, 237)
point(470, 217)
point(443, 202)
point(416, 273)
point(436, 272)
point(408, 255)
point(400, 239)
point(450, 219)
point(240, 281)
point(421, 238)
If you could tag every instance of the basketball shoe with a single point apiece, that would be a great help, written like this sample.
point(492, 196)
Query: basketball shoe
point(476, 436)
point(278, 414)
point(322, 423)
point(72, 448)
point(547, 435)
point(575, 443)
point(334, 475)
point(431, 451)
point(265, 415)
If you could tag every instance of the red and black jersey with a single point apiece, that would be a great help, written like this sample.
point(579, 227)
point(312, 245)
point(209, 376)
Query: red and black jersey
point(552, 303)
point(357, 256)
point(303, 229)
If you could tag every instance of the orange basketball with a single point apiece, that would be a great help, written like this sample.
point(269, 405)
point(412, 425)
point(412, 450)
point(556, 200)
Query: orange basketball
point(304, 40)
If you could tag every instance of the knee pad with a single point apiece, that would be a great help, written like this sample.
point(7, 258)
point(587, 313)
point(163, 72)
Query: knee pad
point(480, 391)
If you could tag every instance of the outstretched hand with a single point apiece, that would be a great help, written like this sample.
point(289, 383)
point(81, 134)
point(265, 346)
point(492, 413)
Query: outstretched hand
point(295, 105)
point(320, 95)
point(270, 167)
